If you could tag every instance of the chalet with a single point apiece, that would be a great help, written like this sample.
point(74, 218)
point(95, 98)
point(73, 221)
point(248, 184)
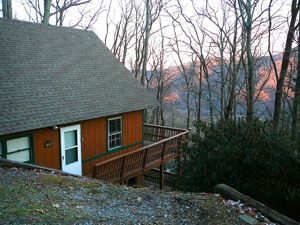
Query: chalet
point(66, 102)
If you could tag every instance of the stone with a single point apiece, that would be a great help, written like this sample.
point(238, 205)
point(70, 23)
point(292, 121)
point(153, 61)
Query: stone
point(248, 219)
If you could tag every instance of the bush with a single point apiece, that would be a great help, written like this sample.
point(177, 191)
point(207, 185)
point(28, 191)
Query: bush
point(254, 158)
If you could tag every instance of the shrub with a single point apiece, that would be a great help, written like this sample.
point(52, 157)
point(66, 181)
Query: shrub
point(254, 158)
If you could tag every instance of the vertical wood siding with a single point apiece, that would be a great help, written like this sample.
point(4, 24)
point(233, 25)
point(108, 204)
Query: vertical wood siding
point(94, 141)
point(94, 133)
point(47, 157)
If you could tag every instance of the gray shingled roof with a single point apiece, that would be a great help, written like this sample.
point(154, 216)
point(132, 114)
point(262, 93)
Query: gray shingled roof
point(51, 75)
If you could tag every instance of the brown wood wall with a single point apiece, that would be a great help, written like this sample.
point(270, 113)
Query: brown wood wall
point(94, 133)
point(94, 141)
point(47, 157)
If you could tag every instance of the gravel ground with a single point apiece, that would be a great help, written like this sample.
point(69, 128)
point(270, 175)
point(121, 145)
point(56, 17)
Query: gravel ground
point(39, 197)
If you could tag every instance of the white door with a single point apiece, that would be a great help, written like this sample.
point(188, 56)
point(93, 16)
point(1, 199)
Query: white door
point(70, 139)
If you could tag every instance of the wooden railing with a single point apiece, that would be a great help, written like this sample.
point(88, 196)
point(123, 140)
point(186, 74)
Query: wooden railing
point(167, 146)
point(153, 177)
point(155, 133)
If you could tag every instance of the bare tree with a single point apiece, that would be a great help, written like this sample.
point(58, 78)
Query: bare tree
point(46, 15)
point(159, 79)
point(137, 60)
point(42, 11)
point(296, 102)
point(146, 40)
point(152, 13)
point(285, 61)
point(124, 31)
point(7, 9)
point(246, 10)
point(226, 43)
point(234, 64)
point(195, 44)
point(186, 72)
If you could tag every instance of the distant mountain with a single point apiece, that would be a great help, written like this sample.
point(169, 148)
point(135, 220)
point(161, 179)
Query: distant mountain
point(265, 88)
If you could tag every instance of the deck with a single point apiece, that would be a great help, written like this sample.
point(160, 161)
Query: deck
point(163, 144)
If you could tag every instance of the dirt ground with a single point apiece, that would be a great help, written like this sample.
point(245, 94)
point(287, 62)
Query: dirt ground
point(39, 197)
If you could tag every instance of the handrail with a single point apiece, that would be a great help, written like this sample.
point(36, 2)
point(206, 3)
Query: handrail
point(169, 128)
point(121, 168)
point(141, 149)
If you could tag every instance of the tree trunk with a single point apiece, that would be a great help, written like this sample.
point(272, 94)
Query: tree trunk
point(229, 192)
point(222, 77)
point(250, 95)
point(233, 70)
point(296, 103)
point(285, 63)
point(6, 7)
point(205, 70)
point(199, 93)
point(188, 109)
point(247, 14)
point(146, 40)
point(47, 4)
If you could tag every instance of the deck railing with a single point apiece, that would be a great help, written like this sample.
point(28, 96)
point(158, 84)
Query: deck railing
point(153, 176)
point(166, 146)
point(155, 133)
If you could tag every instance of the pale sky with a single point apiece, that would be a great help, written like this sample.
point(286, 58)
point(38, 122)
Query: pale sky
point(100, 27)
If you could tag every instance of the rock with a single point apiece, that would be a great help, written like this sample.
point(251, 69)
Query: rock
point(248, 219)
point(56, 205)
point(231, 193)
point(40, 211)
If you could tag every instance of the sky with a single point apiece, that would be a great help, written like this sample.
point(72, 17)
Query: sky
point(99, 27)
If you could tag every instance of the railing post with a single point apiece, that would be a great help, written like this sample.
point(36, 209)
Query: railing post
point(163, 152)
point(179, 142)
point(145, 159)
point(161, 167)
point(179, 153)
point(161, 176)
point(122, 170)
point(94, 172)
point(162, 133)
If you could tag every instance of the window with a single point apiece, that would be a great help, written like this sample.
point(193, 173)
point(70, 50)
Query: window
point(71, 146)
point(17, 149)
point(1, 151)
point(114, 133)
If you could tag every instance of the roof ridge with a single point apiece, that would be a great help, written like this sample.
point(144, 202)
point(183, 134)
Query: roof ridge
point(17, 21)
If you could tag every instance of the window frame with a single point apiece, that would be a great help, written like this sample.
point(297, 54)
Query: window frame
point(109, 134)
point(2, 149)
point(72, 147)
point(3, 143)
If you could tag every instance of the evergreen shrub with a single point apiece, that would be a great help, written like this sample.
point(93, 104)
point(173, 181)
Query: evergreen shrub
point(255, 158)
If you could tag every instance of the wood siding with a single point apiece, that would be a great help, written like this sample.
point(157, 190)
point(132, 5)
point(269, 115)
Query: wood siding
point(94, 133)
point(94, 141)
point(47, 157)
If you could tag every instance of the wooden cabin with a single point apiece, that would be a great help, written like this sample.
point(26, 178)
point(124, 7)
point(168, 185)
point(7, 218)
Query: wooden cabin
point(66, 102)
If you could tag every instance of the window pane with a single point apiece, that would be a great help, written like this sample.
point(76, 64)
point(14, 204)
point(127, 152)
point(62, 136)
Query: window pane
point(118, 125)
point(115, 126)
point(115, 140)
point(111, 143)
point(70, 138)
point(22, 156)
point(71, 155)
point(17, 144)
point(111, 126)
point(118, 139)
point(0, 149)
